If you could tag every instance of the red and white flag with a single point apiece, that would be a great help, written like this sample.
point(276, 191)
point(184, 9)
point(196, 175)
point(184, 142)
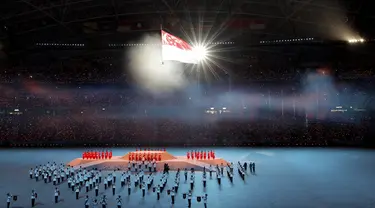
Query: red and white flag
point(176, 49)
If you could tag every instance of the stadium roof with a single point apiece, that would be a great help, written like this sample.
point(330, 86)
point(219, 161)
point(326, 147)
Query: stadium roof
point(257, 26)
point(265, 18)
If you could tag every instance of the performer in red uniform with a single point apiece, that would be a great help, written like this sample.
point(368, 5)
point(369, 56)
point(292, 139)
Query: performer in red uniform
point(204, 155)
point(188, 155)
point(106, 154)
point(213, 155)
point(83, 155)
point(159, 157)
point(102, 155)
point(192, 155)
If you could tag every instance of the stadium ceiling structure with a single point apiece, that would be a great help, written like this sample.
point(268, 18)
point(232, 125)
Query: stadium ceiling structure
point(262, 18)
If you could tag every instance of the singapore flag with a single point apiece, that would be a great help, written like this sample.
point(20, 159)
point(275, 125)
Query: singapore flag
point(176, 49)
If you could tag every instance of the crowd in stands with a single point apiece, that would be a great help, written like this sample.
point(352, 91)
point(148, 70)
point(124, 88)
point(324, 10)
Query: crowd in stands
point(101, 131)
point(59, 112)
point(111, 69)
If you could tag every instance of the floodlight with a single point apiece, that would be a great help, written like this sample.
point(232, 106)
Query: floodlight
point(360, 40)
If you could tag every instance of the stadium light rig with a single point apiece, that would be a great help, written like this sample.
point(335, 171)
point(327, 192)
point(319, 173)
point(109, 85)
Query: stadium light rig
point(354, 41)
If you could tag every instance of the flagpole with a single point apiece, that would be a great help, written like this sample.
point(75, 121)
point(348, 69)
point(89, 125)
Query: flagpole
point(282, 103)
point(161, 47)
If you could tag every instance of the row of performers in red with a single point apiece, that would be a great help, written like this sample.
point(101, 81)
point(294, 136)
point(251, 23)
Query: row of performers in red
point(200, 155)
point(97, 155)
point(144, 156)
point(149, 149)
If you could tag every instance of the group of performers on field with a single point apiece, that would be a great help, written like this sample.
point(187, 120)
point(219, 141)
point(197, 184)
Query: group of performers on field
point(200, 155)
point(97, 155)
point(146, 154)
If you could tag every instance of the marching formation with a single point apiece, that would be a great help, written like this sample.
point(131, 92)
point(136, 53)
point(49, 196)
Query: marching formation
point(50, 173)
point(95, 185)
point(200, 155)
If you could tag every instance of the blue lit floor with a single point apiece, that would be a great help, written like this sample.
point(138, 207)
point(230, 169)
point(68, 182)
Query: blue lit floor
point(300, 178)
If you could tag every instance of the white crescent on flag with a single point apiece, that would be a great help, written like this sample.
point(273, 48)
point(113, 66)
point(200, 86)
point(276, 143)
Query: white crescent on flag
point(176, 49)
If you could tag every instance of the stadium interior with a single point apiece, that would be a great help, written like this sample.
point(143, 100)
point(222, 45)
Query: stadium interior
point(276, 73)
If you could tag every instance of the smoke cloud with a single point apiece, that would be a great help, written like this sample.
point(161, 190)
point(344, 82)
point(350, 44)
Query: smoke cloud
point(148, 71)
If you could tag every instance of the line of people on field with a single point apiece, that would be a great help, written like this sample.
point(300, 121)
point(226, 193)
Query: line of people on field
point(144, 156)
point(150, 150)
point(200, 155)
point(97, 155)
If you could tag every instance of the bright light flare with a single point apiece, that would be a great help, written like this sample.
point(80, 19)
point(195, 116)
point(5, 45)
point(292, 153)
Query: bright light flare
point(200, 52)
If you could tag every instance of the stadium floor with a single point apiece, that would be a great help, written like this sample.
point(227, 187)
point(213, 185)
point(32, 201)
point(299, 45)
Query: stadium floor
point(300, 178)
